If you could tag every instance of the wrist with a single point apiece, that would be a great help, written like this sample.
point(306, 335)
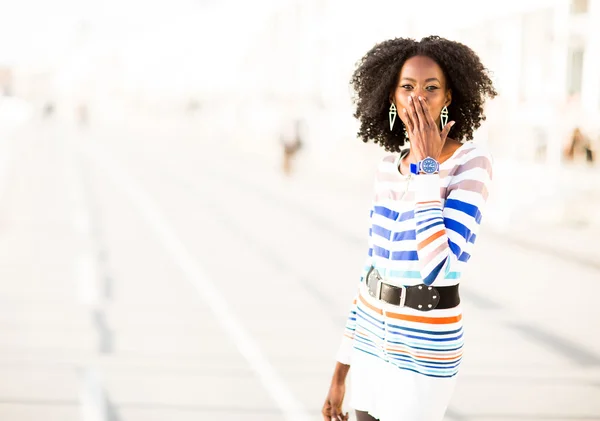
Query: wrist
point(428, 165)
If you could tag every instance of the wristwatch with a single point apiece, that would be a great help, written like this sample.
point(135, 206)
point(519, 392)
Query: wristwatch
point(426, 166)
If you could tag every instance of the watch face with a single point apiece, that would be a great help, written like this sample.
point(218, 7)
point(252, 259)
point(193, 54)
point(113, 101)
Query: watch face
point(429, 165)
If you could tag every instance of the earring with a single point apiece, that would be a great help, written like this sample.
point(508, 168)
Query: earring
point(444, 117)
point(392, 115)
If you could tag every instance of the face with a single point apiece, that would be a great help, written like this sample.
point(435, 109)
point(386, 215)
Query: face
point(421, 76)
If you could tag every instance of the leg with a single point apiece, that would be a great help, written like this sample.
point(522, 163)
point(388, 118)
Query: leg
point(364, 416)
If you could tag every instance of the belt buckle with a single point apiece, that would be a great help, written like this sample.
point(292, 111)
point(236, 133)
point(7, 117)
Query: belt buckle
point(374, 276)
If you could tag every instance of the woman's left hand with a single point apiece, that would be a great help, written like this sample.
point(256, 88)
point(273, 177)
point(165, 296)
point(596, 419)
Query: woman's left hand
point(426, 140)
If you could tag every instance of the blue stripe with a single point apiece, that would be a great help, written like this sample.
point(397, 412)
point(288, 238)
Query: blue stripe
point(427, 332)
point(374, 319)
point(364, 341)
point(413, 361)
point(366, 344)
point(410, 255)
point(371, 328)
point(423, 338)
point(385, 233)
point(434, 365)
point(411, 274)
point(454, 248)
point(424, 362)
point(464, 257)
point(381, 252)
point(420, 230)
point(458, 228)
point(434, 273)
point(370, 251)
point(385, 212)
point(405, 235)
point(424, 221)
point(435, 349)
point(406, 274)
point(405, 255)
point(406, 216)
point(368, 326)
point(426, 210)
point(464, 207)
point(367, 352)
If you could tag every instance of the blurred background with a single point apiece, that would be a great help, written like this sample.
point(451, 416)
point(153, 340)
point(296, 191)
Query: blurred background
point(184, 202)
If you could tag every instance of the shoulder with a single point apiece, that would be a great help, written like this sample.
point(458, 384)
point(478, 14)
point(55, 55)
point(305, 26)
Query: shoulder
point(388, 163)
point(474, 156)
point(387, 168)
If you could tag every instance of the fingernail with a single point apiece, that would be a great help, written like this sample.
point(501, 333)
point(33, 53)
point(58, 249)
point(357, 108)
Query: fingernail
point(404, 110)
point(410, 98)
point(420, 99)
point(452, 123)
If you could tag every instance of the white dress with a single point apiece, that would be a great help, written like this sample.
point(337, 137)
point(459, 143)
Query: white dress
point(404, 361)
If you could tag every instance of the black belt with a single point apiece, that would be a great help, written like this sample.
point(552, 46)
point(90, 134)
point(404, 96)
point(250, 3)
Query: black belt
point(420, 297)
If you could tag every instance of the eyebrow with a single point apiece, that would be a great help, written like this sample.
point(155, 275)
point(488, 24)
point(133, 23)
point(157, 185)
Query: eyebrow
point(426, 80)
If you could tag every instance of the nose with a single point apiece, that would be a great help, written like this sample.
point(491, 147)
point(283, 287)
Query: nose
point(419, 92)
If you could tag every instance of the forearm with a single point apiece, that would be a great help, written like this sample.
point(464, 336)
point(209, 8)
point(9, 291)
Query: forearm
point(432, 241)
point(340, 373)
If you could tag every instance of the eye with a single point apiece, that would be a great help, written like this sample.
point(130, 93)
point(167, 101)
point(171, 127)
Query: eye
point(432, 88)
point(406, 86)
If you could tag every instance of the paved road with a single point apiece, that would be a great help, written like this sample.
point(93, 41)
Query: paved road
point(150, 273)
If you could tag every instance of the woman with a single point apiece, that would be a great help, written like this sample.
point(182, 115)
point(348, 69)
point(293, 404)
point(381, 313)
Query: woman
point(404, 336)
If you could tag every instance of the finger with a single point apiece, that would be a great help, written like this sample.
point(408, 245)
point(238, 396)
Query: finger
point(446, 130)
point(408, 120)
point(423, 124)
point(412, 110)
point(326, 411)
point(427, 113)
point(334, 414)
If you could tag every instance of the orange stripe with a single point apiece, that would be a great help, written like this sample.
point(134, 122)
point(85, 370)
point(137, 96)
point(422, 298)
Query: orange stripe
point(431, 202)
point(375, 309)
point(428, 320)
point(416, 319)
point(431, 239)
point(424, 356)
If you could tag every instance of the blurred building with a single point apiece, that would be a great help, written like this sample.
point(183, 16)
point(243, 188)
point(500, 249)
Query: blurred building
point(546, 64)
point(6, 80)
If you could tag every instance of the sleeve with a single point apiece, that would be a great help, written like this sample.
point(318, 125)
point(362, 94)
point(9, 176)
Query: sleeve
point(443, 231)
point(344, 351)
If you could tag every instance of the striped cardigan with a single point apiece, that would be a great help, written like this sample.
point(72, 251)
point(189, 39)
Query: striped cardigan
point(422, 230)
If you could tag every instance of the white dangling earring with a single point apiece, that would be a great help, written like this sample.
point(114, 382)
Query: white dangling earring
point(392, 115)
point(444, 117)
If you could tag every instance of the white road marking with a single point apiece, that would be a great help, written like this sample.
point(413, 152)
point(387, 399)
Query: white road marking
point(87, 280)
point(292, 409)
point(85, 266)
point(92, 399)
